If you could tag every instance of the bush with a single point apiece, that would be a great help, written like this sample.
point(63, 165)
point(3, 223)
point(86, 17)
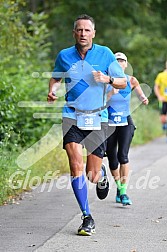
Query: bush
point(147, 124)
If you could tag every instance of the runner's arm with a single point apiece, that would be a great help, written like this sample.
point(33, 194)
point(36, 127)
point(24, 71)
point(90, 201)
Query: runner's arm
point(53, 87)
point(138, 90)
point(118, 83)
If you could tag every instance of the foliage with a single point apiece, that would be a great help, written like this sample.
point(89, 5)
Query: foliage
point(23, 51)
point(147, 124)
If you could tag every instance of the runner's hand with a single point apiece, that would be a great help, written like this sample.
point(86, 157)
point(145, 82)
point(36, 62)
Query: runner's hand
point(51, 97)
point(100, 77)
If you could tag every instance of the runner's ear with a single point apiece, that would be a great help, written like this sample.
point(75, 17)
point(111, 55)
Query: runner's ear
point(94, 34)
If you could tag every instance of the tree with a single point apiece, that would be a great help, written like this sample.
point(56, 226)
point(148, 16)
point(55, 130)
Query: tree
point(23, 48)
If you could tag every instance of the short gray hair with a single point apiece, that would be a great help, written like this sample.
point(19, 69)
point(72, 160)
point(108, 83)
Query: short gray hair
point(85, 17)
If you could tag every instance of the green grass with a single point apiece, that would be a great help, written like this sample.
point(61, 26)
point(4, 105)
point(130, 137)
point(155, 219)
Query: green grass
point(55, 163)
point(147, 124)
point(14, 180)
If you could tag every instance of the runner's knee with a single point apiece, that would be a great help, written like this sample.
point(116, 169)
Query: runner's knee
point(93, 176)
point(76, 168)
point(123, 159)
point(113, 162)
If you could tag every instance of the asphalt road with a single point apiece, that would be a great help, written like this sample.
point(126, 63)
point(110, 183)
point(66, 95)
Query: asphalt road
point(46, 219)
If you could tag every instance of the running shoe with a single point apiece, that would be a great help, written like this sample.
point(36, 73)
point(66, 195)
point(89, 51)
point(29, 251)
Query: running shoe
point(117, 198)
point(87, 228)
point(125, 200)
point(102, 188)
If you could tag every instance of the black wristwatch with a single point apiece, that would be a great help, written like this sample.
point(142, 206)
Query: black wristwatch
point(111, 80)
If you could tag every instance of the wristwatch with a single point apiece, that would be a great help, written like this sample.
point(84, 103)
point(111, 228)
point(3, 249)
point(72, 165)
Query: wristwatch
point(111, 80)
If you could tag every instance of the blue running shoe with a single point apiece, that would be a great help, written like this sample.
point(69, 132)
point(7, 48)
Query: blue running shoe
point(125, 200)
point(87, 228)
point(117, 198)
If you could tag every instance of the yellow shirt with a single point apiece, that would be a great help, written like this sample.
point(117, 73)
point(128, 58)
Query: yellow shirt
point(161, 81)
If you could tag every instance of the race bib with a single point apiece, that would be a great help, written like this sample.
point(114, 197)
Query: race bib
point(90, 121)
point(117, 119)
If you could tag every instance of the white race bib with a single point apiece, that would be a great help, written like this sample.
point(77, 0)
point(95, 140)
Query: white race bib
point(90, 121)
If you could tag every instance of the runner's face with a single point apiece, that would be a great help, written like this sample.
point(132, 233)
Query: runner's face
point(84, 33)
point(122, 63)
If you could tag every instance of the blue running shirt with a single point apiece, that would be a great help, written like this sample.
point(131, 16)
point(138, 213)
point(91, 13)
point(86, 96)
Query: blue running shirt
point(119, 106)
point(82, 91)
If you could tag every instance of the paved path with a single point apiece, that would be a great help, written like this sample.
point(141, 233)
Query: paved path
point(47, 221)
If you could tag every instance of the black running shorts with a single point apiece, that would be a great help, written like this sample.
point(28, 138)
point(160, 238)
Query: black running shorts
point(93, 140)
point(164, 108)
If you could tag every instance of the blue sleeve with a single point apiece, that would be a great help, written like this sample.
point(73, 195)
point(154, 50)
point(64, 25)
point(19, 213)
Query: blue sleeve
point(115, 70)
point(58, 71)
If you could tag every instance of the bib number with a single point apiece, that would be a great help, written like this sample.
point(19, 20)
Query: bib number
point(117, 120)
point(88, 121)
